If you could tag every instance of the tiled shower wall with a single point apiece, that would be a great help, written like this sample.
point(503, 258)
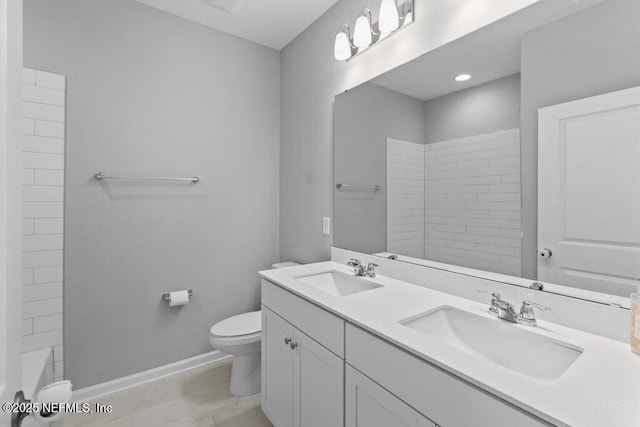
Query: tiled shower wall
point(405, 198)
point(43, 208)
point(470, 212)
point(473, 206)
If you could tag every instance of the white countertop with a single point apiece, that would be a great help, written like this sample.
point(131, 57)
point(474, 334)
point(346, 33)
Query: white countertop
point(601, 388)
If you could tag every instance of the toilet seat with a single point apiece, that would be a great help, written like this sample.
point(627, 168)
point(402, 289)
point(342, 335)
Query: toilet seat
point(241, 329)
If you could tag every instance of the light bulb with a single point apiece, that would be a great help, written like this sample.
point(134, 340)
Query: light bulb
point(342, 48)
point(362, 32)
point(389, 18)
point(463, 77)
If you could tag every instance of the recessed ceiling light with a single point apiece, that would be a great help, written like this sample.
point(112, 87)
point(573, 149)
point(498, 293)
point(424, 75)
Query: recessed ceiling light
point(463, 77)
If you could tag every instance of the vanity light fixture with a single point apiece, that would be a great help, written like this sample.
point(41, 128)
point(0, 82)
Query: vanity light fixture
point(343, 48)
point(463, 77)
point(363, 32)
point(367, 33)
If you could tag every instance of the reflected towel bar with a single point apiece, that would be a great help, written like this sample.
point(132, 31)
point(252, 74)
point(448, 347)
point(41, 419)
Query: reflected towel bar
point(99, 176)
point(374, 188)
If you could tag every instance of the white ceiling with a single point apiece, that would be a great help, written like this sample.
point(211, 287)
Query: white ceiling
point(273, 23)
point(487, 54)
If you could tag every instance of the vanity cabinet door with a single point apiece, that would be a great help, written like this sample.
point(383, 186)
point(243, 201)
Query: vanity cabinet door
point(369, 405)
point(277, 369)
point(318, 384)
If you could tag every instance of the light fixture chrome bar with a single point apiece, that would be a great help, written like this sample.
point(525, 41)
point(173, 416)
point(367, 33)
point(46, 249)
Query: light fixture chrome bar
point(406, 16)
point(99, 176)
point(364, 187)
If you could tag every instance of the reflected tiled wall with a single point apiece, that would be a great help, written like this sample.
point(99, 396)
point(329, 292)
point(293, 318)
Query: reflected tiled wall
point(43, 209)
point(473, 202)
point(405, 198)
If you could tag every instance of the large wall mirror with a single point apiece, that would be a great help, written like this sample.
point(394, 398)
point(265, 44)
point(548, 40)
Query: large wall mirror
point(512, 151)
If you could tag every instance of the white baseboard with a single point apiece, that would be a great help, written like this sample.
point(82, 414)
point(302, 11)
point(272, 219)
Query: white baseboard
point(95, 391)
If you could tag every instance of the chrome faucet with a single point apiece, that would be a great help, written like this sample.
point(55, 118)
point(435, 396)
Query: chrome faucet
point(506, 311)
point(361, 270)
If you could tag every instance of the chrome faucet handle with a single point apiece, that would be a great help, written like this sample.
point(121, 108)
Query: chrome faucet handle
point(527, 315)
point(495, 295)
point(353, 262)
point(371, 269)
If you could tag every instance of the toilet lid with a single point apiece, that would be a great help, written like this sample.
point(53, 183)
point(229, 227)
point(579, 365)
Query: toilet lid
point(242, 324)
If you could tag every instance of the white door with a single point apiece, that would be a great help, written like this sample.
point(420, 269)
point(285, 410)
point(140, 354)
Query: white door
point(589, 193)
point(10, 199)
point(318, 384)
point(277, 369)
point(369, 405)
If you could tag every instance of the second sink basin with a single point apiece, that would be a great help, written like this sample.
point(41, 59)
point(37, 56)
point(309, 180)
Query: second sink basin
point(501, 342)
point(338, 283)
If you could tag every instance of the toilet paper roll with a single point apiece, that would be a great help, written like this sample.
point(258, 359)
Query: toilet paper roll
point(179, 298)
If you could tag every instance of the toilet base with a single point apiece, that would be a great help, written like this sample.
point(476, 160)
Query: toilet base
point(245, 374)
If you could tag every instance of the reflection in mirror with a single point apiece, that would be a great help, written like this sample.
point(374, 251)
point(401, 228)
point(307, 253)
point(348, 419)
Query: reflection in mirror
point(457, 160)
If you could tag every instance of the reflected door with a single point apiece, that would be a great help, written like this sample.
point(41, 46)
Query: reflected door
point(589, 193)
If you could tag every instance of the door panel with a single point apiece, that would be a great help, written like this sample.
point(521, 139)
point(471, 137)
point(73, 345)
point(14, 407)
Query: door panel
point(589, 192)
point(319, 385)
point(277, 369)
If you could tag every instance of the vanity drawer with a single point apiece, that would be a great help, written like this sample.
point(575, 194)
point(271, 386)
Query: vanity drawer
point(314, 321)
point(447, 400)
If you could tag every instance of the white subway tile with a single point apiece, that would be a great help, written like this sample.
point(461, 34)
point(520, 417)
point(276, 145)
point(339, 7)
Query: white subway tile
point(48, 274)
point(41, 292)
point(27, 276)
point(43, 161)
point(27, 227)
point(43, 144)
point(49, 177)
point(47, 323)
point(28, 126)
point(27, 327)
point(28, 76)
point(43, 194)
point(28, 176)
point(44, 259)
point(43, 95)
point(41, 308)
point(58, 352)
point(48, 226)
point(50, 80)
point(44, 242)
point(43, 340)
point(48, 128)
point(37, 111)
point(42, 209)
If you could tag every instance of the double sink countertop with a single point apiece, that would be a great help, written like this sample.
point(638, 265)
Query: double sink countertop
point(601, 388)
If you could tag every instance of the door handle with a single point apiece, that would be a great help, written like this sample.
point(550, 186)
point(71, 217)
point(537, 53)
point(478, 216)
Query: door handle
point(544, 253)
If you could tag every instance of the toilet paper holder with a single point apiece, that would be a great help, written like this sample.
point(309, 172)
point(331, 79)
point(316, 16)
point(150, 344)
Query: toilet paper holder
point(167, 296)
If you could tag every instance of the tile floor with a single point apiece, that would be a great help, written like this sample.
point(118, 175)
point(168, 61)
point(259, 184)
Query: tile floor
point(196, 398)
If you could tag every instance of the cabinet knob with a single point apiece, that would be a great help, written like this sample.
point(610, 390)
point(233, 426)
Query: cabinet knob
point(287, 341)
point(293, 345)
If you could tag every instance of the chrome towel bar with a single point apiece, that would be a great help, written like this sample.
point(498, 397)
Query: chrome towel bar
point(374, 188)
point(99, 176)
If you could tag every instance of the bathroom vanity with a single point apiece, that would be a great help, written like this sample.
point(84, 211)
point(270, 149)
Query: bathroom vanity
point(344, 350)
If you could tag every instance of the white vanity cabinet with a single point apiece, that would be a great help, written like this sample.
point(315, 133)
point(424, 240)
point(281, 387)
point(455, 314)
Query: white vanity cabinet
point(369, 405)
point(303, 378)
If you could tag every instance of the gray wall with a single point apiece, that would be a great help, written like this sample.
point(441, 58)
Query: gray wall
point(311, 77)
point(587, 54)
point(363, 119)
point(481, 109)
point(153, 94)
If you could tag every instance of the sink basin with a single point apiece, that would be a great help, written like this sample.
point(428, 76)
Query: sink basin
point(501, 342)
point(338, 283)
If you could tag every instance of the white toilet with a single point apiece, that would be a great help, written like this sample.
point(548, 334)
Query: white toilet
point(240, 336)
